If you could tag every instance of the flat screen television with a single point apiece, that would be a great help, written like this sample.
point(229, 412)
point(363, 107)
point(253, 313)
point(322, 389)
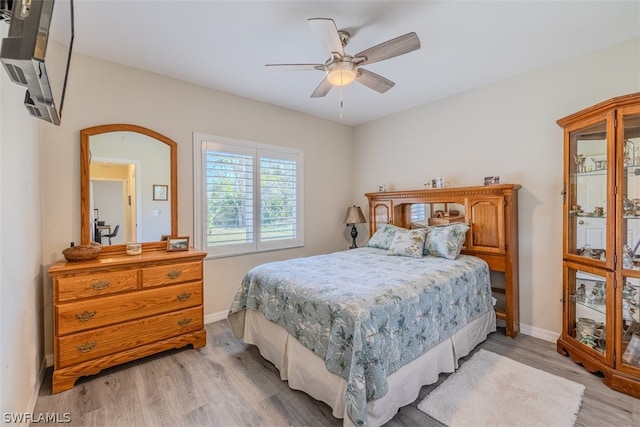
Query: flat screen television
point(37, 53)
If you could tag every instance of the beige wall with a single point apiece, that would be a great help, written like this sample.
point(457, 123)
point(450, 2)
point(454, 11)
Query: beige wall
point(100, 92)
point(21, 302)
point(507, 129)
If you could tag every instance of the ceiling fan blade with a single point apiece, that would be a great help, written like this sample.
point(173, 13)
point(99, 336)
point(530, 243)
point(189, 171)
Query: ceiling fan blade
point(390, 49)
point(323, 88)
point(374, 81)
point(295, 67)
point(327, 32)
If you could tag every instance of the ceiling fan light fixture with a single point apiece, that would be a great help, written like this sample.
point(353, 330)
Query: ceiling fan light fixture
point(341, 73)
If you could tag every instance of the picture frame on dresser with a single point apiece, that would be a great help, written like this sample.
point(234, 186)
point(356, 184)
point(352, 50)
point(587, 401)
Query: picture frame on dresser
point(175, 244)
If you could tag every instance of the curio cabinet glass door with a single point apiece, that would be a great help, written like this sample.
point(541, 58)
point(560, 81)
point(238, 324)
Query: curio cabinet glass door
point(628, 293)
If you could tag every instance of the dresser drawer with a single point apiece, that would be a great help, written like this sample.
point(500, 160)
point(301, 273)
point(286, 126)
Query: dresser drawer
point(93, 313)
point(84, 346)
point(95, 284)
point(171, 273)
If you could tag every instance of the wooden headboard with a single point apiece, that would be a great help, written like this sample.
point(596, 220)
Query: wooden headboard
point(492, 213)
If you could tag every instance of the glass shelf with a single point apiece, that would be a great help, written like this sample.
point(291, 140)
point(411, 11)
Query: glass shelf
point(635, 169)
point(592, 173)
point(631, 170)
point(590, 215)
point(600, 308)
point(631, 285)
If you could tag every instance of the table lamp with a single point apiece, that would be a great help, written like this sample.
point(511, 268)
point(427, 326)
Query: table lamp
point(354, 216)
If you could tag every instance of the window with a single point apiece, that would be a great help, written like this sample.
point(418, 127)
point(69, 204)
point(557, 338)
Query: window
point(418, 212)
point(248, 196)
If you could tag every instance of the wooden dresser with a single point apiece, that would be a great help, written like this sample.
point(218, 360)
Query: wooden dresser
point(119, 308)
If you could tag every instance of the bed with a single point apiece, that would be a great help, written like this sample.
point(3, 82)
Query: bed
point(362, 330)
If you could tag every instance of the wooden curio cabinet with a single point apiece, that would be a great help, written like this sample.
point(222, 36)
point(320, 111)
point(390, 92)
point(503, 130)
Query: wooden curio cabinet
point(601, 241)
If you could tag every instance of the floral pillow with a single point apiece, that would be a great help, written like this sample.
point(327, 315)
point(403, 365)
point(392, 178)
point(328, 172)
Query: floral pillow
point(446, 240)
point(383, 237)
point(408, 243)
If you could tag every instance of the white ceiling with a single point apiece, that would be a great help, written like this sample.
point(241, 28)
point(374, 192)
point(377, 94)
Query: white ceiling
point(224, 45)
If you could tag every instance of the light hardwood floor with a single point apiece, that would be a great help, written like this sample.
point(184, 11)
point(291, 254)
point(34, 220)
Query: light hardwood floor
point(229, 384)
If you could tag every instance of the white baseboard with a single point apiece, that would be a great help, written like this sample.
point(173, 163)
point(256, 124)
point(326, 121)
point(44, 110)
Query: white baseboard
point(31, 405)
point(215, 317)
point(543, 334)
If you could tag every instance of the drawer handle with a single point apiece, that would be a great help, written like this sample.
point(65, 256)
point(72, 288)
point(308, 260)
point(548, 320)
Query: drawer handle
point(100, 285)
point(86, 347)
point(173, 274)
point(184, 296)
point(85, 316)
point(185, 321)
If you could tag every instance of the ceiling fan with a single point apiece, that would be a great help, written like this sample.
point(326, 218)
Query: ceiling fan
point(342, 69)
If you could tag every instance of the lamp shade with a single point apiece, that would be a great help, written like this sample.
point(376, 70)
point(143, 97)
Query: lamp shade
point(354, 215)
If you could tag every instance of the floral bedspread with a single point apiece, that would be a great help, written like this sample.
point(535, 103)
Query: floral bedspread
point(364, 312)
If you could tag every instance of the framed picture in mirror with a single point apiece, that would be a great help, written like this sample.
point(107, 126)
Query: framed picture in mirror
point(160, 192)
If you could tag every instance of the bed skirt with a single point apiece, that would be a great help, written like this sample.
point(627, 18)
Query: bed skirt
point(306, 372)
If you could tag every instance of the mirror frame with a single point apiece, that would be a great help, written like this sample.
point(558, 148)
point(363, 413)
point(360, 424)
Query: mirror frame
point(85, 161)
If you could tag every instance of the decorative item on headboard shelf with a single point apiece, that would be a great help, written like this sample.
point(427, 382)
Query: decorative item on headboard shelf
point(491, 180)
point(445, 219)
point(437, 182)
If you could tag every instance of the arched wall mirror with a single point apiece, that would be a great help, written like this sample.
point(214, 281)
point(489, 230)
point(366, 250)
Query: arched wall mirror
point(128, 186)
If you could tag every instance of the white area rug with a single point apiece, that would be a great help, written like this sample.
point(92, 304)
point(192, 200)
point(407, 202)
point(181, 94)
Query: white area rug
point(492, 390)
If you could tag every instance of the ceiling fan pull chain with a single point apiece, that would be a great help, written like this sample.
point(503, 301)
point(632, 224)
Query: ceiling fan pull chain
point(341, 104)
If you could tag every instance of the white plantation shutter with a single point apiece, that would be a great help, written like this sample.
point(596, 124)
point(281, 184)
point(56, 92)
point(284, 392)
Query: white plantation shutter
point(229, 196)
point(248, 196)
point(418, 212)
point(278, 197)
